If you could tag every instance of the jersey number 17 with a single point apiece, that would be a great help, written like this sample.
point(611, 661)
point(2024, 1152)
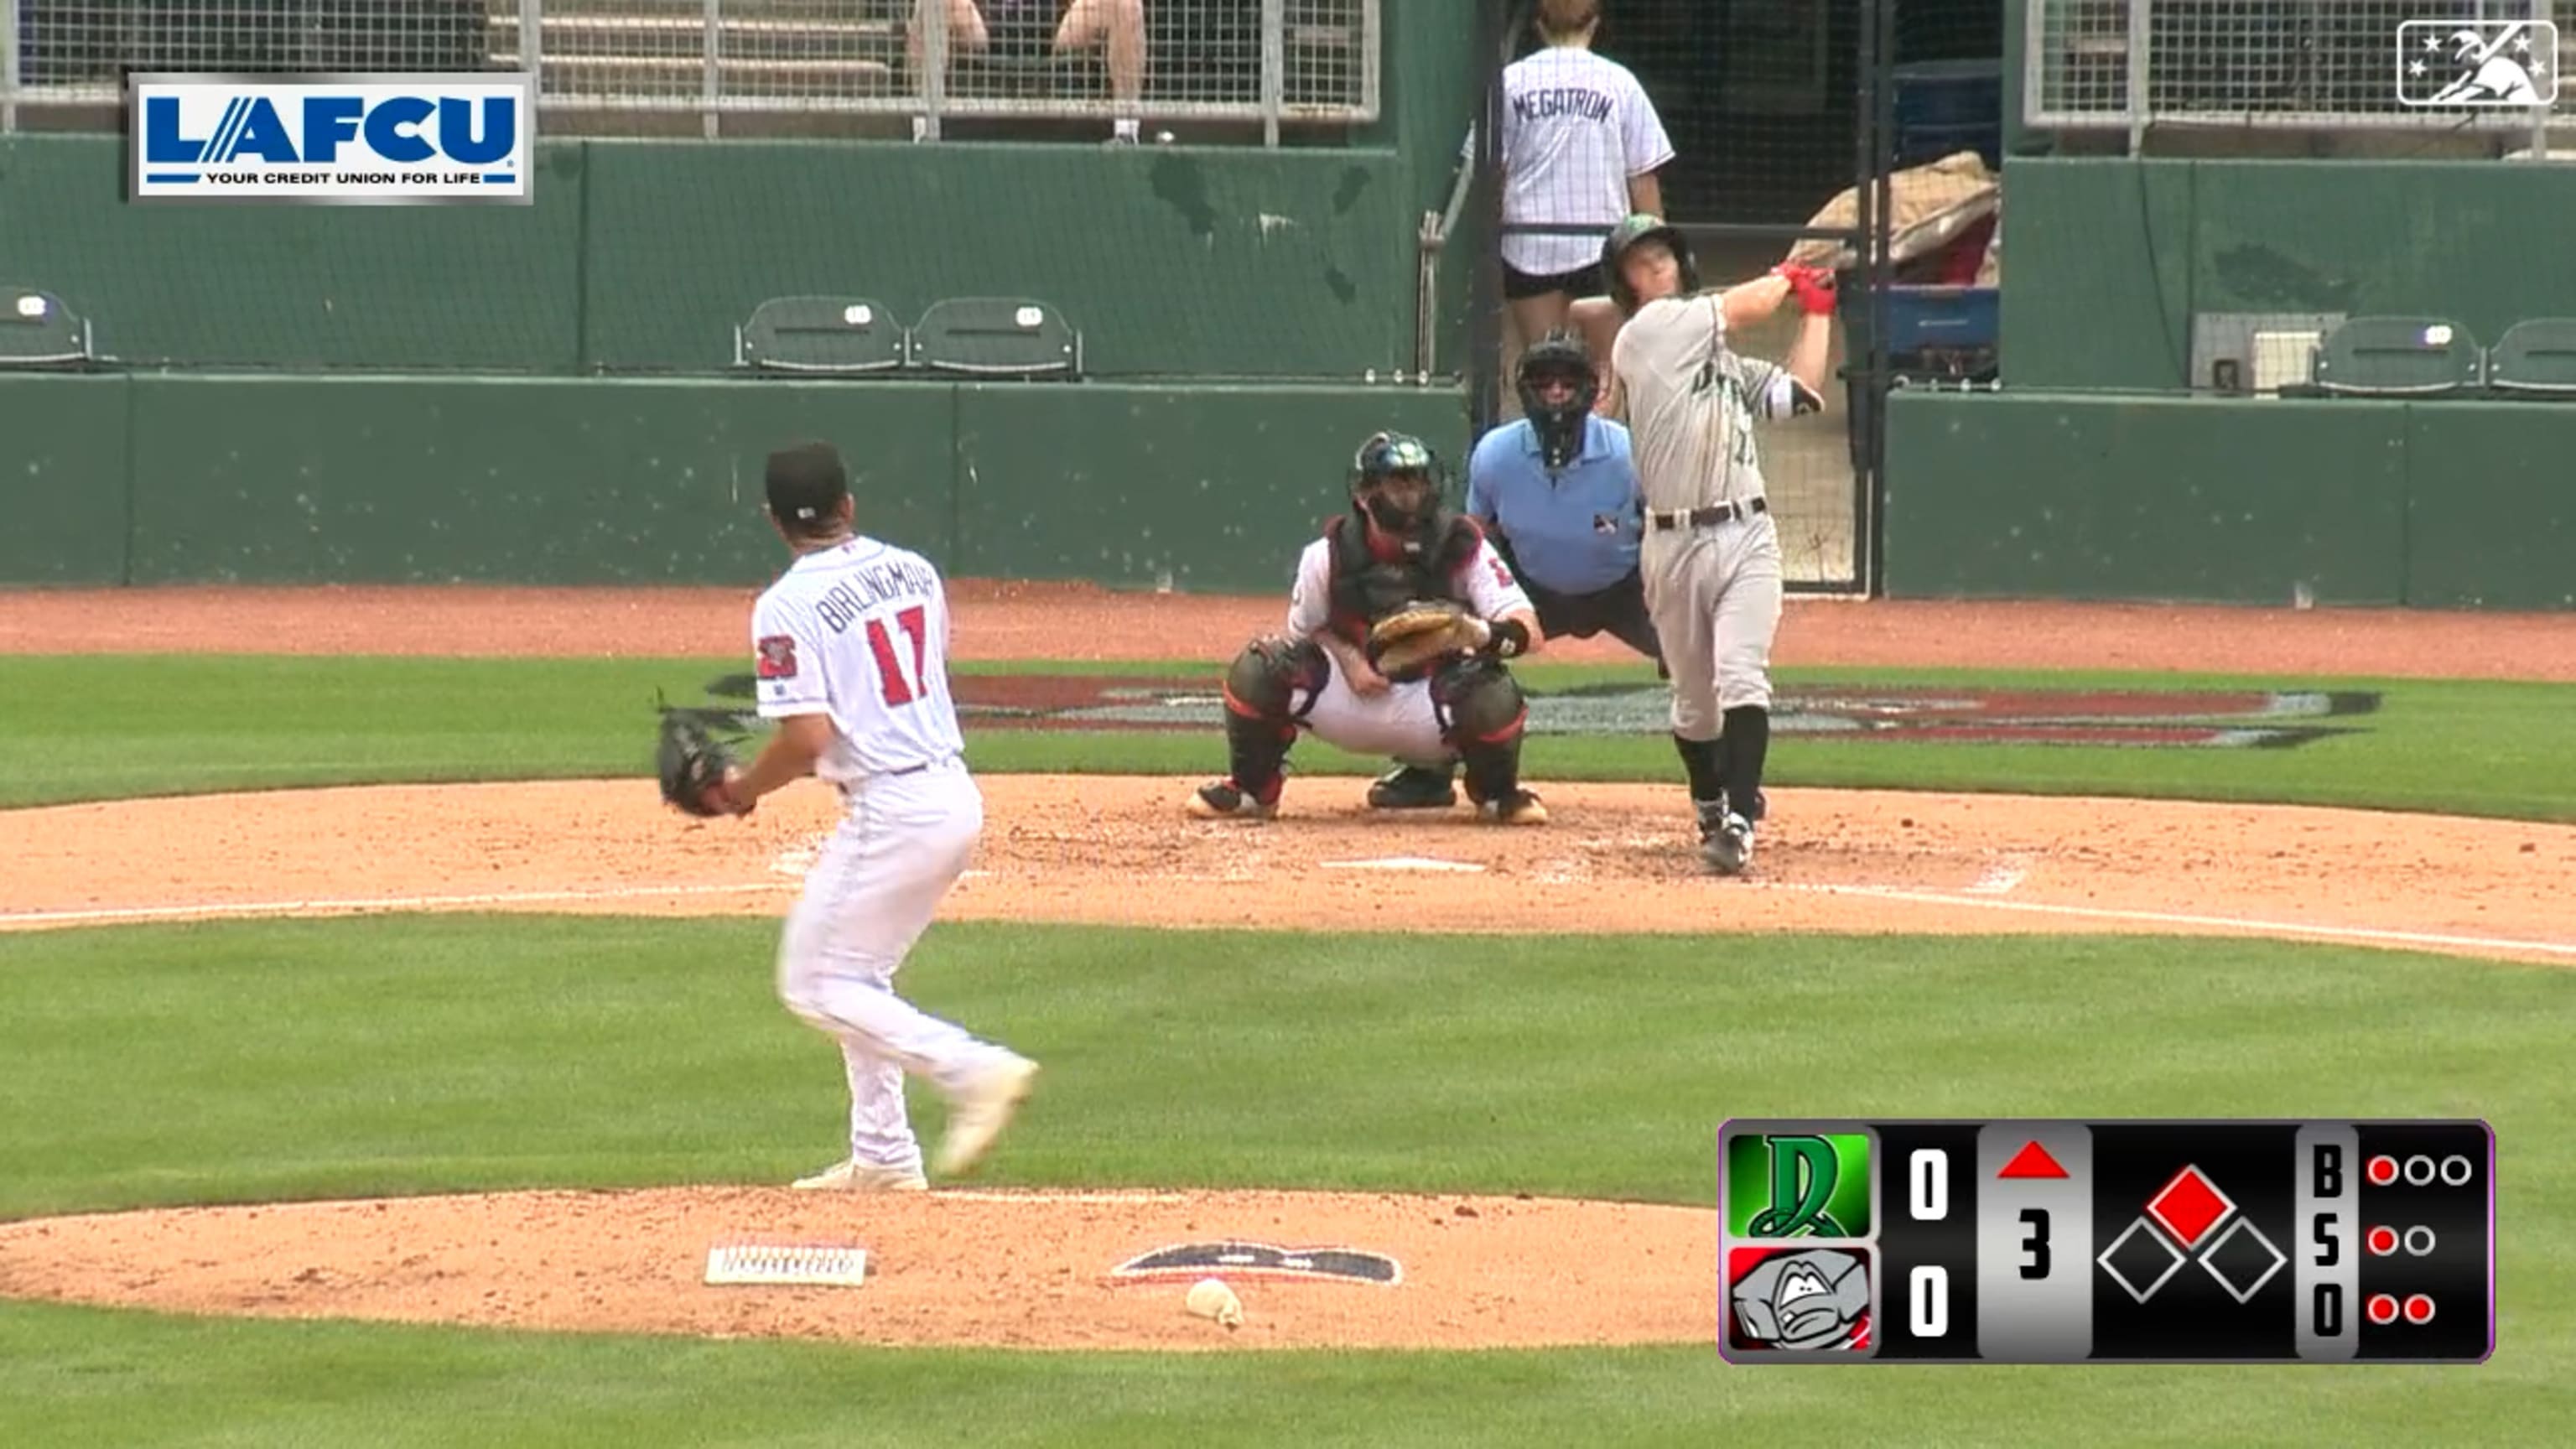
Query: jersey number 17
point(900, 689)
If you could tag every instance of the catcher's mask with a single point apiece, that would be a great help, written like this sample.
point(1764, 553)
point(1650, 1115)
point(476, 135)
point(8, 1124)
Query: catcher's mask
point(1396, 482)
point(1640, 230)
point(1557, 388)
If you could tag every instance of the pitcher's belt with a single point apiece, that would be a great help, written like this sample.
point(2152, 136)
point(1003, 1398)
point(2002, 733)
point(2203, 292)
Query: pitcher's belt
point(1705, 517)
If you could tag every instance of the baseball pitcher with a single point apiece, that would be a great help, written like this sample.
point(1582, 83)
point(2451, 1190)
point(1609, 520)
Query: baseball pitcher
point(1398, 626)
point(1711, 553)
point(850, 654)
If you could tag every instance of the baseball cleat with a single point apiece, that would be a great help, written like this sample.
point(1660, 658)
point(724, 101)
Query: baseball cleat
point(852, 1175)
point(1518, 808)
point(1729, 848)
point(1411, 787)
point(1225, 800)
point(980, 1109)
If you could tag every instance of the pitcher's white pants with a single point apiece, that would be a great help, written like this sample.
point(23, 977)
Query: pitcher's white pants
point(872, 892)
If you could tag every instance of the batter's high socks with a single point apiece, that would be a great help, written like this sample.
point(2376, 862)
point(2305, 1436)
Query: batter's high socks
point(1705, 763)
point(1748, 742)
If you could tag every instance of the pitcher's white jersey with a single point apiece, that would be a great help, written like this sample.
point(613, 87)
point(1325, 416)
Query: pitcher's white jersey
point(1691, 402)
point(1576, 127)
point(860, 632)
point(1491, 590)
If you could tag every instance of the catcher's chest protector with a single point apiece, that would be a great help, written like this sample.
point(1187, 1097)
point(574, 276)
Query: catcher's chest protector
point(1367, 588)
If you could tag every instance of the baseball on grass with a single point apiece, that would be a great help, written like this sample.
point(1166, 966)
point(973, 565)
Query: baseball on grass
point(1210, 1298)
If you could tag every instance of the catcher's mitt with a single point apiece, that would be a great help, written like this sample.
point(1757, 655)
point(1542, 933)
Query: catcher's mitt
point(1421, 634)
point(696, 750)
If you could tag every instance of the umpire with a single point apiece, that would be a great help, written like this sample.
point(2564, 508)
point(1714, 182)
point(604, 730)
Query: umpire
point(1557, 490)
point(1557, 494)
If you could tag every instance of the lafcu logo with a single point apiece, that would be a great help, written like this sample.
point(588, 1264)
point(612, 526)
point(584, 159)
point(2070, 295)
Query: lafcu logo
point(376, 139)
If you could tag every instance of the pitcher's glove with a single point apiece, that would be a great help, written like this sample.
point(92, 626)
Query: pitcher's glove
point(696, 751)
point(1423, 633)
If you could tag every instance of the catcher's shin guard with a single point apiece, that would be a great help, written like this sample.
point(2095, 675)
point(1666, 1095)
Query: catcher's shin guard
point(1262, 709)
point(1482, 714)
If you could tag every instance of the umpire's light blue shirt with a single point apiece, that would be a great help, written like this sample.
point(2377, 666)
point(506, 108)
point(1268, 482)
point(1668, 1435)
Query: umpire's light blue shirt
point(1574, 533)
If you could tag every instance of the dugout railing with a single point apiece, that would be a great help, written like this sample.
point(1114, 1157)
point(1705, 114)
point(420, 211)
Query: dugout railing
point(2127, 69)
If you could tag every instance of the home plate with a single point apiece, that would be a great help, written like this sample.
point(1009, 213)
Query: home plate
point(1401, 862)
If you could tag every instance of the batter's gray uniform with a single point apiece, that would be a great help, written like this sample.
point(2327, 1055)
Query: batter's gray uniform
point(1710, 556)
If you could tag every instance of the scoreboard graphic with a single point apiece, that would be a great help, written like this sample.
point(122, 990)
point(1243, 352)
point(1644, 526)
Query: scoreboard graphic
point(2062, 1241)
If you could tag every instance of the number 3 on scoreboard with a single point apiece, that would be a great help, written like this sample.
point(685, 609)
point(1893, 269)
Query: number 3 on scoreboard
point(2035, 1242)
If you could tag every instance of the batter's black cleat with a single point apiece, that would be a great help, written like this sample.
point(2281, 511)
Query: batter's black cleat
point(1412, 787)
point(1225, 800)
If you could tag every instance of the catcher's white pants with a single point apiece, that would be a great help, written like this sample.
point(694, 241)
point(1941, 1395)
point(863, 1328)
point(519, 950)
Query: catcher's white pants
point(1399, 722)
point(870, 895)
point(1715, 594)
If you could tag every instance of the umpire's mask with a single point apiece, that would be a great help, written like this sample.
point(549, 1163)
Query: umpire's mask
point(1557, 388)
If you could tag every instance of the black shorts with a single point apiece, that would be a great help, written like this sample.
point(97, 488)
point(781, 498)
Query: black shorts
point(1583, 281)
point(1619, 609)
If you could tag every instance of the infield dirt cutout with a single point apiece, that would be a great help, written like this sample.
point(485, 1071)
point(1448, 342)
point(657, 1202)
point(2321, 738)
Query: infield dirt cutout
point(1031, 1269)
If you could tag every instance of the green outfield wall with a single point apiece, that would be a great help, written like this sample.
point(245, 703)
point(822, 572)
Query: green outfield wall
point(642, 256)
point(2107, 260)
point(2448, 503)
point(224, 478)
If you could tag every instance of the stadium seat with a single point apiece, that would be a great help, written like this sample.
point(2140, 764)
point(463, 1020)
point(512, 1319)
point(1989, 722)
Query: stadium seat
point(821, 334)
point(2537, 356)
point(37, 330)
point(997, 337)
point(2398, 357)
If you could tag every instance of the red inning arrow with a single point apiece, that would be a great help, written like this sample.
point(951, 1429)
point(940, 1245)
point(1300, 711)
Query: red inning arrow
point(2032, 1161)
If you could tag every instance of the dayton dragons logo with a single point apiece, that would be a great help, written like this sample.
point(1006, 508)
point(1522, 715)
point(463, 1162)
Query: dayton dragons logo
point(1804, 1173)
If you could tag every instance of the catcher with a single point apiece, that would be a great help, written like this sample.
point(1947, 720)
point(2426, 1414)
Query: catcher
point(1397, 631)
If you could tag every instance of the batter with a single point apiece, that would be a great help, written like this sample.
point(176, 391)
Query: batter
point(1710, 556)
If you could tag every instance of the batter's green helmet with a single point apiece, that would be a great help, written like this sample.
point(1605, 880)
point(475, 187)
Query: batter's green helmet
point(1644, 228)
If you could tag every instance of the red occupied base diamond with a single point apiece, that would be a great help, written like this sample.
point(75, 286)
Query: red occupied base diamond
point(2189, 1206)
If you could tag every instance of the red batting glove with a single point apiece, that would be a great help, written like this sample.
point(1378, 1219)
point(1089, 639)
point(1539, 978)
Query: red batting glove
point(1813, 286)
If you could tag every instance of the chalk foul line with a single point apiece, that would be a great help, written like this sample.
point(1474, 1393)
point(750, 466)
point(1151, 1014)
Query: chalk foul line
point(320, 904)
point(1987, 901)
point(2251, 924)
point(378, 903)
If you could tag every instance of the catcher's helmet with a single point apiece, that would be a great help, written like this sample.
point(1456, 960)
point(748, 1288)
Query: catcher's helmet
point(1635, 230)
point(1559, 355)
point(1395, 479)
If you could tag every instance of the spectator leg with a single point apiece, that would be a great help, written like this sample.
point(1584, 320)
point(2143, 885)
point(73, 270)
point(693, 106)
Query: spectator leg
point(1119, 23)
point(965, 30)
point(1598, 317)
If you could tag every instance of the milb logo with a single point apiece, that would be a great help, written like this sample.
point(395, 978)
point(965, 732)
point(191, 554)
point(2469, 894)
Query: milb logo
point(398, 139)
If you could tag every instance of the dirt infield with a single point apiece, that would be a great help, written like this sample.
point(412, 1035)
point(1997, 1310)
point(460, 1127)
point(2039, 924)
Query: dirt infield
point(1032, 1270)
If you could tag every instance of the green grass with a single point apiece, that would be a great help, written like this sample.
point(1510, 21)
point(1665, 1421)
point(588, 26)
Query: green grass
point(251, 1060)
point(72, 729)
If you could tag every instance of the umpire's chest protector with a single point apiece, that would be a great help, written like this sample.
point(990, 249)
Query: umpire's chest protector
point(1368, 587)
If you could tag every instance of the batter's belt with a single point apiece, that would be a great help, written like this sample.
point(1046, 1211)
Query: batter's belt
point(1704, 517)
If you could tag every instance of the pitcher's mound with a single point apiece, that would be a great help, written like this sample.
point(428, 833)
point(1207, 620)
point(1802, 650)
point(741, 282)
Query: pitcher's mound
point(993, 1268)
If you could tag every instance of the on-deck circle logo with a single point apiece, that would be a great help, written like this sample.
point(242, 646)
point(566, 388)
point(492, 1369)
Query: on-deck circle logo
point(387, 139)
